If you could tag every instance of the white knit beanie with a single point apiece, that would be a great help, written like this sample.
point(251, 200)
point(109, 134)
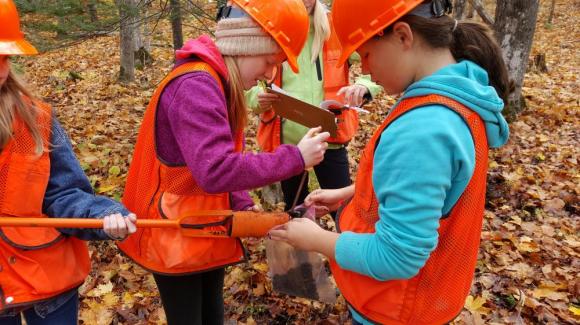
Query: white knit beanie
point(244, 36)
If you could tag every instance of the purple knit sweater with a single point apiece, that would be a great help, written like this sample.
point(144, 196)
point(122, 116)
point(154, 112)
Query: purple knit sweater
point(192, 128)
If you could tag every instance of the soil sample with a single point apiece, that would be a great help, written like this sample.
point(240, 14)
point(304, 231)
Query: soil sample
point(298, 281)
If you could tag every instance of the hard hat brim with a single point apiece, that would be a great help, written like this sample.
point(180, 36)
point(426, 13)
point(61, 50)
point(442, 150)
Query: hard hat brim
point(292, 61)
point(346, 53)
point(370, 29)
point(19, 47)
point(282, 40)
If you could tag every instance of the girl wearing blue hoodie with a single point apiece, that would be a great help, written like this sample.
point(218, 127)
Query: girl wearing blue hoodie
point(409, 227)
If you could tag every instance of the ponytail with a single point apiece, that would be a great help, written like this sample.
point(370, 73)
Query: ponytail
point(467, 41)
point(475, 42)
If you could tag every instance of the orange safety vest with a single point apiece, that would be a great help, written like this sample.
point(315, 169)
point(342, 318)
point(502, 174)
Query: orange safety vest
point(437, 294)
point(156, 190)
point(35, 263)
point(270, 127)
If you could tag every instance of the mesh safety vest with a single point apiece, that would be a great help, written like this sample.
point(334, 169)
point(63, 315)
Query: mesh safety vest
point(437, 294)
point(35, 263)
point(157, 190)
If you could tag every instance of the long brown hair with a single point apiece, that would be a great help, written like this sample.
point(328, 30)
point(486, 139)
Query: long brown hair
point(236, 100)
point(17, 100)
point(467, 41)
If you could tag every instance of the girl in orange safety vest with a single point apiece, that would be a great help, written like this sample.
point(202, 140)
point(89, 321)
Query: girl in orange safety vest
point(189, 153)
point(409, 228)
point(41, 268)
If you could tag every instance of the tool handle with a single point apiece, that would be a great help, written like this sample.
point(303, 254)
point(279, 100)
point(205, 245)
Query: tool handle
point(80, 223)
point(243, 223)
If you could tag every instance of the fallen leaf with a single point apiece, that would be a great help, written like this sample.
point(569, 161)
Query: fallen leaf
point(101, 289)
point(475, 305)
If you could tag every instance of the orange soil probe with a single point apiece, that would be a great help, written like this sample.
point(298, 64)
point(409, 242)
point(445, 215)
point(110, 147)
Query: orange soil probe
point(216, 223)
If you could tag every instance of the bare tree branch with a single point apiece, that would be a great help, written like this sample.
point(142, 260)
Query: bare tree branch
point(481, 11)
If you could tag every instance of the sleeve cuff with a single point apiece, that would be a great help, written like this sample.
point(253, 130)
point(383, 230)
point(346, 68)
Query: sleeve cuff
point(115, 207)
point(299, 164)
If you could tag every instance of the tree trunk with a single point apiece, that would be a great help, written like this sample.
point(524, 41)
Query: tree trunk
point(515, 24)
point(127, 12)
point(138, 35)
point(459, 9)
point(142, 48)
point(176, 25)
point(552, 8)
point(92, 9)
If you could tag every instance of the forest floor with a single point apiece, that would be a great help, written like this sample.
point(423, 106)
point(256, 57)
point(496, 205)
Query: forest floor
point(529, 258)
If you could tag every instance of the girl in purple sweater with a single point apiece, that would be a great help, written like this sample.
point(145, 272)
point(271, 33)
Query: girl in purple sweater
point(188, 155)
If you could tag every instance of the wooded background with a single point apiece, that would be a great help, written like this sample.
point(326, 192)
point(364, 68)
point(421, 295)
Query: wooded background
point(102, 60)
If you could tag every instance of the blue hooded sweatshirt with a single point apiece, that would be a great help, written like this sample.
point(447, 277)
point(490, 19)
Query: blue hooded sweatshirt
point(422, 165)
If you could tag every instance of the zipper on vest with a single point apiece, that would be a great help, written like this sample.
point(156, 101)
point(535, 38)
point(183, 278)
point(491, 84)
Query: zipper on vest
point(318, 68)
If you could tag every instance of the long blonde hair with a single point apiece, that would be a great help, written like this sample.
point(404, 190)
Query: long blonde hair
point(321, 29)
point(17, 100)
point(236, 100)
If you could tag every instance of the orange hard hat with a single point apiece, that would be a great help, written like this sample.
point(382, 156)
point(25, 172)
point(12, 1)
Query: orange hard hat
point(356, 21)
point(12, 40)
point(286, 21)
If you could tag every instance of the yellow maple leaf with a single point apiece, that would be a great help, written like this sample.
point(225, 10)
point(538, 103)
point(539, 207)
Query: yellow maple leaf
point(110, 299)
point(101, 290)
point(574, 309)
point(261, 267)
point(128, 300)
point(96, 313)
point(88, 314)
point(475, 305)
